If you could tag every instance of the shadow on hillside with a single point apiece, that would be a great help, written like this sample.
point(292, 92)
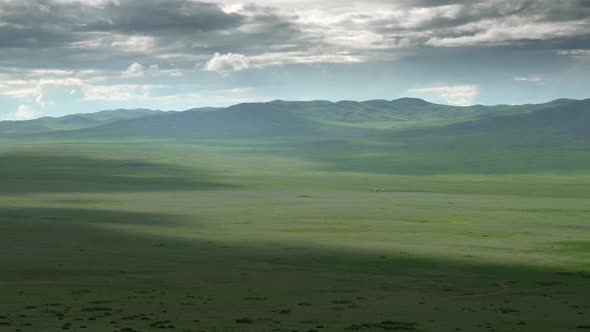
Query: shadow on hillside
point(61, 250)
point(27, 173)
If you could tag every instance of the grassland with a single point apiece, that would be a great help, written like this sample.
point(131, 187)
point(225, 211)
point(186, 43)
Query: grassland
point(259, 235)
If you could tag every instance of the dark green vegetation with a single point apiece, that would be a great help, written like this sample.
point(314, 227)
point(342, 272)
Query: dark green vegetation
point(70, 122)
point(315, 216)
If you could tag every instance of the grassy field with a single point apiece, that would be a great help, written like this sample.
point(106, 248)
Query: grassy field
point(221, 235)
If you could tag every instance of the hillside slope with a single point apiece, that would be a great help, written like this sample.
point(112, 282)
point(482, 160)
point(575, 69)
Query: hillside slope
point(243, 120)
point(433, 139)
point(260, 119)
point(71, 122)
point(551, 137)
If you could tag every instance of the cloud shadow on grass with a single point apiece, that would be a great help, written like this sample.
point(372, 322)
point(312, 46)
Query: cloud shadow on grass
point(63, 249)
point(23, 173)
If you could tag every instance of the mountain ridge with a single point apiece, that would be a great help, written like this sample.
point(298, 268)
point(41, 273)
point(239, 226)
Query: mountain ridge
point(276, 101)
point(293, 118)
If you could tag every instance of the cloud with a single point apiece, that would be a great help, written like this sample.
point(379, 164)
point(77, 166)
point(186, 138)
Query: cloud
point(279, 58)
point(507, 30)
point(529, 78)
point(102, 34)
point(138, 70)
point(134, 70)
point(38, 95)
point(135, 44)
point(575, 52)
point(118, 92)
point(23, 112)
point(461, 95)
point(226, 63)
point(105, 44)
point(170, 17)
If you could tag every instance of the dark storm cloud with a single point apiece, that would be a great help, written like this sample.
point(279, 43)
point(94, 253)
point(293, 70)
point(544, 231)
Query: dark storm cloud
point(465, 23)
point(566, 10)
point(43, 23)
point(434, 3)
point(111, 35)
point(161, 51)
point(264, 29)
point(156, 16)
point(66, 34)
point(540, 3)
point(31, 24)
point(477, 11)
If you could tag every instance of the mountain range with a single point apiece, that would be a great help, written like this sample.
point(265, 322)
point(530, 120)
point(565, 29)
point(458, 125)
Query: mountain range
point(564, 117)
point(403, 136)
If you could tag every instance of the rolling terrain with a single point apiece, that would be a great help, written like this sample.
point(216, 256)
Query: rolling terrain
point(298, 216)
point(70, 122)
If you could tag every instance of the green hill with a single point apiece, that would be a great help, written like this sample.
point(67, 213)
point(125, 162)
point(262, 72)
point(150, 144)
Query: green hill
point(71, 122)
point(298, 216)
point(277, 118)
point(243, 120)
point(551, 137)
point(288, 118)
point(404, 136)
point(416, 116)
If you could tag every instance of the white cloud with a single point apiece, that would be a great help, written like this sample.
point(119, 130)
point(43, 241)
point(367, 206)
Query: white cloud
point(118, 92)
point(269, 59)
point(23, 112)
point(529, 78)
point(231, 8)
point(138, 70)
point(373, 25)
point(47, 95)
point(226, 63)
point(239, 91)
point(136, 44)
point(37, 96)
point(134, 70)
point(460, 95)
point(507, 30)
point(574, 52)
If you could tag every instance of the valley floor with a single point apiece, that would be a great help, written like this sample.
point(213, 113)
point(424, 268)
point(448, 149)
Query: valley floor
point(145, 236)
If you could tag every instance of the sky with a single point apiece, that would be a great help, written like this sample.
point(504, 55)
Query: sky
point(63, 56)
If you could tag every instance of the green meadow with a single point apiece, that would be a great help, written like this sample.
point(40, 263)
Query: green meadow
point(378, 230)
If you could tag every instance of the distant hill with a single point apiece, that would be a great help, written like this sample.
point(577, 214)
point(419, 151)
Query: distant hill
point(71, 122)
point(561, 118)
point(404, 136)
point(243, 120)
point(286, 118)
point(412, 118)
point(550, 137)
